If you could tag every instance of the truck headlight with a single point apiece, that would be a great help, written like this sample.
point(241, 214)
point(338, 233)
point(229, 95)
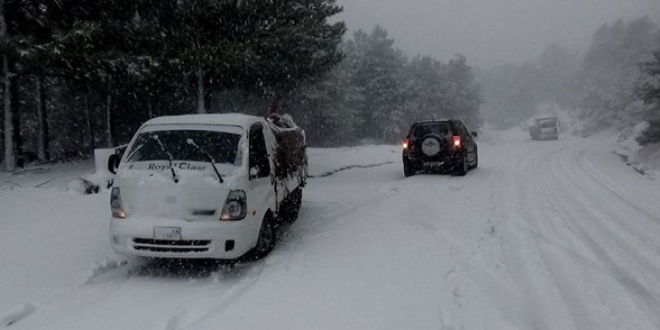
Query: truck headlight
point(116, 204)
point(235, 206)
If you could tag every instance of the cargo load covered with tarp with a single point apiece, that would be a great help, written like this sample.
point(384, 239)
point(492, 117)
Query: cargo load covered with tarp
point(290, 156)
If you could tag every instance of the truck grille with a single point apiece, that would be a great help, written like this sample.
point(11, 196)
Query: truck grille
point(175, 246)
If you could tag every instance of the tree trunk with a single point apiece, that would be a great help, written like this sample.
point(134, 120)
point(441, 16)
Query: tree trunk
point(16, 121)
point(90, 125)
point(201, 106)
point(10, 162)
point(150, 108)
point(108, 114)
point(207, 100)
point(42, 116)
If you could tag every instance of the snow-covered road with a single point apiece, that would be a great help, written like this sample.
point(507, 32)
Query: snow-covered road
point(543, 235)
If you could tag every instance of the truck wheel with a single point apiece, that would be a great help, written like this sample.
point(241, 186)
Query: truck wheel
point(297, 203)
point(291, 207)
point(266, 240)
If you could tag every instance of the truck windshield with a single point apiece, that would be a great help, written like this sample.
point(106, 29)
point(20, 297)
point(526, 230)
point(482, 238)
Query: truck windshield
point(222, 146)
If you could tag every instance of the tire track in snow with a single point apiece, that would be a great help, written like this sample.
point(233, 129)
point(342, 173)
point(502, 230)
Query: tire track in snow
point(523, 253)
point(568, 286)
point(589, 211)
point(225, 300)
point(647, 231)
point(594, 226)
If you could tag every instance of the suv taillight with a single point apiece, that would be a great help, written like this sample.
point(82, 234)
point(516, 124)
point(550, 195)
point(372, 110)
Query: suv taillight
point(406, 144)
point(456, 141)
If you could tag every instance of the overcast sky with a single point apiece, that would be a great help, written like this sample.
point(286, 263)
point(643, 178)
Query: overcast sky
point(491, 32)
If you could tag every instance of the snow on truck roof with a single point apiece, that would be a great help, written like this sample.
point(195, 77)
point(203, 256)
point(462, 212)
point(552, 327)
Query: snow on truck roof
point(225, 119)
point(280, 121)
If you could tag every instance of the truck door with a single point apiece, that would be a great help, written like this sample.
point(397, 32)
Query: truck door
point(262, 192)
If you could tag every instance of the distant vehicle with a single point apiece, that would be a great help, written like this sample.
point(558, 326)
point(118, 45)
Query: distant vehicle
point(439, 145)
point(207, 186)
point(545, 129)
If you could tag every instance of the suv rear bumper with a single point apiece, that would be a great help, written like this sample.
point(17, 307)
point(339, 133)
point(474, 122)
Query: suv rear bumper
point(443, 159)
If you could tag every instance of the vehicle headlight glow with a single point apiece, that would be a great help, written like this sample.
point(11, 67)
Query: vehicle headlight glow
point(116, 205)
point(235, 206)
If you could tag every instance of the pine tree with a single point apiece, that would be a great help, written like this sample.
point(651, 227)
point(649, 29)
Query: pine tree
point(462, 97)
point(649, 93)
point(258, 46)
point(610, 70)
point(6, 96)
point(376, 70)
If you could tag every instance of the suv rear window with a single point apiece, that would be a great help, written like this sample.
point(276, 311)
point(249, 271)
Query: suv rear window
point(439, 128)
point(548, 124)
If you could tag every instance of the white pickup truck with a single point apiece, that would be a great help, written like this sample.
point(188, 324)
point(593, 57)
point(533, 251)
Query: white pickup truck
point(207, 186)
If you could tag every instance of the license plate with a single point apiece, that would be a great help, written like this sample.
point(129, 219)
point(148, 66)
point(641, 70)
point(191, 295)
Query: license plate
point(167, 233)
point(434, 164)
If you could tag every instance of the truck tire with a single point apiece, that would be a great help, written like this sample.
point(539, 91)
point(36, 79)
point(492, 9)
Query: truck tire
point(290, 208)
point(431, 145)
point(297, 203)
point(265, 241)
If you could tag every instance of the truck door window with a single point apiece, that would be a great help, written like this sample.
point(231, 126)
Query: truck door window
point(258, 152)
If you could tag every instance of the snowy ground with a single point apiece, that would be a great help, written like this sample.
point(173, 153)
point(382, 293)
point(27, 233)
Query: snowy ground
point(543, 235)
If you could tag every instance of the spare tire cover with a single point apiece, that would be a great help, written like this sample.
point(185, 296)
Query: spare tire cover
point(431, 145)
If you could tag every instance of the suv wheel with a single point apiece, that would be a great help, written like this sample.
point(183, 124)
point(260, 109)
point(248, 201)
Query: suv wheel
point(461, 166)
point(476, 160)
point(408, 169)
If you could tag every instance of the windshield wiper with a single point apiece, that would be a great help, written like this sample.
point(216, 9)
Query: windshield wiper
point(209, 157)
point(169, 157)
point(130, 156)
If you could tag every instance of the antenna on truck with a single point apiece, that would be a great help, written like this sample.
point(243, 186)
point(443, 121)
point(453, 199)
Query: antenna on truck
point(274, 105)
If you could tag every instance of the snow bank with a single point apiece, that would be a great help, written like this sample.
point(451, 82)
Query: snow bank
point(49, 238)
point(645, 160)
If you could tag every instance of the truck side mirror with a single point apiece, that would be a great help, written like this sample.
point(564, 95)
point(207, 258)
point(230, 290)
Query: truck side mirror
point(113, 163)
point(474, 134)
point(254, 172)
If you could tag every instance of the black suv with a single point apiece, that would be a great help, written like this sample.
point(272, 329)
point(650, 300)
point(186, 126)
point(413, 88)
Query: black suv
point(439, 145)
